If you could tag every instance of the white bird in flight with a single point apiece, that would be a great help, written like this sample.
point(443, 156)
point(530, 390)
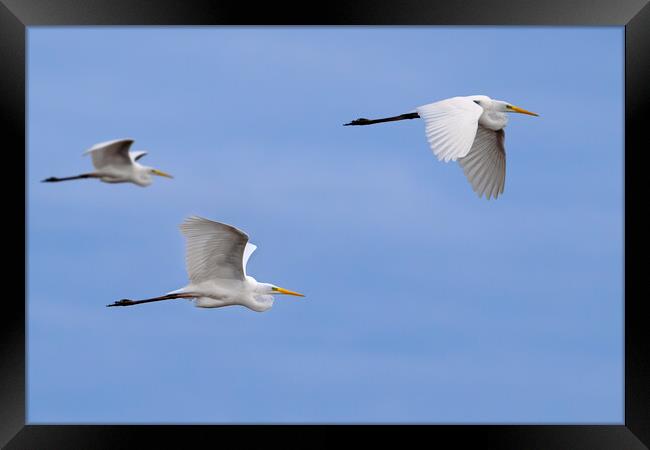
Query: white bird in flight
point(470, 130)
point(216, 258)
point(114, 163)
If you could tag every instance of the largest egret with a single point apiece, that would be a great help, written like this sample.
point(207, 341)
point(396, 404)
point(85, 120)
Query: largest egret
point(114, 163)
point(470, 130)
point(216, 258)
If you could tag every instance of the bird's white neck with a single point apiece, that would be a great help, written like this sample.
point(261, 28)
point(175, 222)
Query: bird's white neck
point(493, 120)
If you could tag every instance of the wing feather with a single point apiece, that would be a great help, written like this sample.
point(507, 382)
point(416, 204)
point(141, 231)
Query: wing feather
point(450, 126)
point(110, 153)
point(137, 155)
point(214, 250)
point(485, 164)
point(248, 251)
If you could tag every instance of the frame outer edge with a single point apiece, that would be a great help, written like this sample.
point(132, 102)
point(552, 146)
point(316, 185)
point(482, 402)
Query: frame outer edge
point(337, 12)
point(637, 348)
point(12, 320)
point(12, 87)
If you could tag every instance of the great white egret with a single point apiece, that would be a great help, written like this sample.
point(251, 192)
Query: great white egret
point(114, 163)
point(470, 130)
point(216, 258)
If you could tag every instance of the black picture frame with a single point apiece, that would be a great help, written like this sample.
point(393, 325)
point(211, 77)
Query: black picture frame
point(634, 15)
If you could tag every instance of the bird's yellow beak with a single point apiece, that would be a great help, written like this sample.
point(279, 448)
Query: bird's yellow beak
point(286, 291)
point(522, 111)
point(160, 173)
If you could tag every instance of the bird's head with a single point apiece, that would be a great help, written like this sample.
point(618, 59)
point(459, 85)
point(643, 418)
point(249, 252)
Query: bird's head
point(507, 107)
point(272, 289)
point(145, 175)
point(159, 173)
point(489, 104)
point(262, 299)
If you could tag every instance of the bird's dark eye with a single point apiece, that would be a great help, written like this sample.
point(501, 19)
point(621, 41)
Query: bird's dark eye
point(478, 102)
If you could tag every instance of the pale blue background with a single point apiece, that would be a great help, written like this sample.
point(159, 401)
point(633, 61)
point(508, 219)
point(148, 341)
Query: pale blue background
point(424, 303)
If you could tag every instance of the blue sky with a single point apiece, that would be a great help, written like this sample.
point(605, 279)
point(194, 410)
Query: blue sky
point(424, 303)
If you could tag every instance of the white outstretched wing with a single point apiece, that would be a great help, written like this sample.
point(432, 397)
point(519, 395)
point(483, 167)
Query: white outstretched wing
point(485, 164)
point(137, 155)
point(111, 153)
point(248, 251)
point(450, 126)
point(214, 250)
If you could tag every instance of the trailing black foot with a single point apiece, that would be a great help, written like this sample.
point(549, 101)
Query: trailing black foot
point(123, 302)
point(364, 121)
point(360, 121)
point(76, 177)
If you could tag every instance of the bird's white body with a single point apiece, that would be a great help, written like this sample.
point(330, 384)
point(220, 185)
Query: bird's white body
point(134, 173)
point(220, 292)
point(114, 163)
point(470, 129)
point(216, 258)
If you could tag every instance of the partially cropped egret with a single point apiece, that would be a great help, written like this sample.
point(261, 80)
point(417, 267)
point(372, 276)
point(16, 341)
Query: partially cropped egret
point(470, 130)
point(216, 260)
point(114, 163)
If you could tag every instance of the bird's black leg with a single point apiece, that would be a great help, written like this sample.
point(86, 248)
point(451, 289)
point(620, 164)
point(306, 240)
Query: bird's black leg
point(76, 177)
point(363, 121)
point(127, 302)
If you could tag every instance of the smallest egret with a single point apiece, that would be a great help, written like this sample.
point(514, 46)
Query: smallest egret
point(216, 258)
point(114, 163)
